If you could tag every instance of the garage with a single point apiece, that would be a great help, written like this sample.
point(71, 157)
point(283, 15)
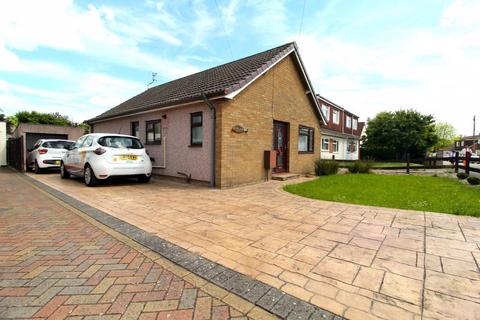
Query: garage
point(26, 134)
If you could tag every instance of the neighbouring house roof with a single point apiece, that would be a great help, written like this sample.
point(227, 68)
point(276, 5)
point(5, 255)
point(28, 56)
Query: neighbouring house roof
point(469, 138)
point(361, 125)
point(323, 99)
point(223, 81)
point(333, 133)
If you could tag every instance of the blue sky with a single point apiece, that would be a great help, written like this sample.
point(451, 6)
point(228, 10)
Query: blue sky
point(81, 58)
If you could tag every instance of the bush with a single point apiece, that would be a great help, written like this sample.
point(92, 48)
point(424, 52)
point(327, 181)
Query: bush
point(473, 180)
point(462, 175)
point(359, 167)
point(325, 167)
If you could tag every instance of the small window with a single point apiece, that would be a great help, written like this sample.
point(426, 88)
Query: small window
point(335, 145)
point(135, 129)
point(305, 139)
point(355, 124)
point(349, 121)
point(352, 146)
point(153, 132)
point(336, 116)
point(326, 112)
point(325, 142)
point(196, 129)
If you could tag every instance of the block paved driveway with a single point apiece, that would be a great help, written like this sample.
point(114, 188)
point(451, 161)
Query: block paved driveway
point(356, 261)
point(54, 264)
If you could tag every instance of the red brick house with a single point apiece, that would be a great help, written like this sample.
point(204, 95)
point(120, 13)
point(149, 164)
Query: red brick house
point(216, 124)
point(341, 133)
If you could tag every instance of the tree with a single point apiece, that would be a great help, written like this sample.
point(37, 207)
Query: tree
point(391, 135)
point(446, 135)
point(2, 115)
point(43, 118)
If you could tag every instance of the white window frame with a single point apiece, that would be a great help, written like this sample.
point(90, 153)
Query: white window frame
point(326, 112)
point(348, 121)
point(327, 141)
point(336, 116)
point(355, 124)
point(335, 145)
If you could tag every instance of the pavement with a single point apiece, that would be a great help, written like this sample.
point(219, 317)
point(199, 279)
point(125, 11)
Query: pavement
point(358, 262)
point(57, 263)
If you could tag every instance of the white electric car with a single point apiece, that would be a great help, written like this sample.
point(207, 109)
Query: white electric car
point(99, 156)
point(47, 153)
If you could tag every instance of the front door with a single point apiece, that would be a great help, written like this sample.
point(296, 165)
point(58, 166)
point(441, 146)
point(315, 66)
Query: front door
point(280, 145)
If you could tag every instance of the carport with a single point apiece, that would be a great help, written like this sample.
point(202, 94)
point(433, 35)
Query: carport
point(26, 134)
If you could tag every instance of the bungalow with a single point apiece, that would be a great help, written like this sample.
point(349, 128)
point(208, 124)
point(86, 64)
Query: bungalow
point(237, 123)
point(341, 133)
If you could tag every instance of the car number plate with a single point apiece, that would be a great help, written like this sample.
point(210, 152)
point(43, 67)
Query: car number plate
point(129, 157)
point(57, 162)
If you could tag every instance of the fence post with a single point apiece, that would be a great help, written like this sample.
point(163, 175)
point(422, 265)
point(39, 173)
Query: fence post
point(456, 162)
point(408, 163)
point(467, 162)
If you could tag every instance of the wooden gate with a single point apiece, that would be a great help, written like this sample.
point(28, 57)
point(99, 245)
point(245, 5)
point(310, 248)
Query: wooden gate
point(15, 153)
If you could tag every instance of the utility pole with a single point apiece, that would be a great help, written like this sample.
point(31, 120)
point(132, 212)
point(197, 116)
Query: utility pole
point(474, 127)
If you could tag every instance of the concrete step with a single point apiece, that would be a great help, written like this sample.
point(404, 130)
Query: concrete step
point(285, 176)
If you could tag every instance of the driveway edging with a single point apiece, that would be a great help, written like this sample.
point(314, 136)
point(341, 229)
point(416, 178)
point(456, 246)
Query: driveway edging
point(256, 292)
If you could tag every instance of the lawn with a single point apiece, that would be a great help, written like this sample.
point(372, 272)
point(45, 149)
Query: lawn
point(436, 194)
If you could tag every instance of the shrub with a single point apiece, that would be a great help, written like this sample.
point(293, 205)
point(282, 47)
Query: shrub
point(325, 167)
point(462, 175)
point(473, 180)
point(359, 167)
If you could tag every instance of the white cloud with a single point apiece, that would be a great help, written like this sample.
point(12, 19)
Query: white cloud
point(93, 94)
point(434, 70)
point(462, 13)
point(61, 25)
point(9, 61)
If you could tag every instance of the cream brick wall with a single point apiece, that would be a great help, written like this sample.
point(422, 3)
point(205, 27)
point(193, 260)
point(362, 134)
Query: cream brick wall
point(279, 95)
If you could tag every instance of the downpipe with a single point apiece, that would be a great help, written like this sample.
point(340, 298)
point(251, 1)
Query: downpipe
point(213, 149)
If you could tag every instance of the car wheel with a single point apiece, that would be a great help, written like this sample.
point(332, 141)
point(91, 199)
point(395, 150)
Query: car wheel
point(63, 172)
point(144, 179)
point(89, 177)
point(36, 168)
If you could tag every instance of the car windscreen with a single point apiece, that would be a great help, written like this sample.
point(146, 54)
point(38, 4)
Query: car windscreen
point(57, 144)
point(120, 142)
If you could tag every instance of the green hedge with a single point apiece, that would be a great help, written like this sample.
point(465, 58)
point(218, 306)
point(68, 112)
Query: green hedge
point(325, 167)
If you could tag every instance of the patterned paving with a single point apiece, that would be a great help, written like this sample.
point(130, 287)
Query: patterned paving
point(356, 261)
point(56, 265)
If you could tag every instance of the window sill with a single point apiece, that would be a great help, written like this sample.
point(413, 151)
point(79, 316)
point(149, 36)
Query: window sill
point(306, 152)
point(153, 143)
point(195, 146)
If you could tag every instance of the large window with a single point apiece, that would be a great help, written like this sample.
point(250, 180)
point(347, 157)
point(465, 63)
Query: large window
point(153, 132)
point(326, 112)
point(348, 122)
point(335, 145)
point(325, 143)
point(336, 116)
point(196, 129)
point(355, 124)
point(305, 139)
point(135, 129)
